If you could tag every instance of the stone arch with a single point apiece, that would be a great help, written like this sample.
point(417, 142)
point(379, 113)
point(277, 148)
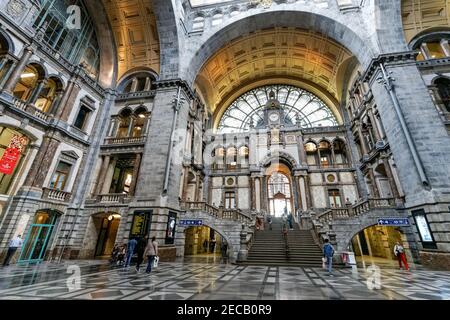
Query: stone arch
point(279, 156)
point(40, 68)
point(169, 42)
point(105, 37)
point(388, 22)
point(430, 34)
point(300, 19)
point(6, 42)
point(139, 71)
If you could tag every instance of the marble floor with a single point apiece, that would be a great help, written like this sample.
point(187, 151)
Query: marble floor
point(205, 280)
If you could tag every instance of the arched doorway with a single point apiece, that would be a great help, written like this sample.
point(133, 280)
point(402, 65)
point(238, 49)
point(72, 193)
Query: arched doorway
point(204, 244)
point(375, 245)
point(106, 225)
point(279, 190)
point(39, 236)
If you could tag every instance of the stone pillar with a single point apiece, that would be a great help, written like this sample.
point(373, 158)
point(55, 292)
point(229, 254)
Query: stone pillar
point(296, 194)
point(41, 164)
point(253, 193)
point(301, 150)
point(66, 108)
point(102, 174)
point(303, 200)
point(197, 188)
point(446, 47)
point(37, 90)
point(15, 75)
point(137, 165)
point(264, 198)
point(10, 68)
point(308, 192)
point(362, 141)
point(159, 145)
point(56, 100)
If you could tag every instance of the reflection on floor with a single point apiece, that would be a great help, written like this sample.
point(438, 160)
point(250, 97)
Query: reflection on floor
point(366, 261)
point(216, 281)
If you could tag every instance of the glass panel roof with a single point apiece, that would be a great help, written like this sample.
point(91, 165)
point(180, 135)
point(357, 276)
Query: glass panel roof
point(296, 102)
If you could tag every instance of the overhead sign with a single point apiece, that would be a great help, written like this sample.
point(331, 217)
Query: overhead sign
point(393, 222)
point(191, 222)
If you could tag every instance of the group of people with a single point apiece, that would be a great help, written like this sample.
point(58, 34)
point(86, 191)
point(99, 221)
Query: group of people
point(211, 245)
point(122, 254)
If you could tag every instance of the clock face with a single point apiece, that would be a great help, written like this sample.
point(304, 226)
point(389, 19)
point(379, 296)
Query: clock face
point(274, 117)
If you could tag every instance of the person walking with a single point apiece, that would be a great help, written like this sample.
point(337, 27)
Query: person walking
point(224, 249)
point(328, 253)
point(399, 252)
point(14, 244)
point(269, 220)
point(289, 219)
point(213, 245)
point(130, 251)
point(151, 251)
point(205, 246)
point(140, 249)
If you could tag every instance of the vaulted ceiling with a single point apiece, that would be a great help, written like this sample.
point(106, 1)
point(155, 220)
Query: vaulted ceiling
point(420, 15)
point(136, 35)
point(274, 53)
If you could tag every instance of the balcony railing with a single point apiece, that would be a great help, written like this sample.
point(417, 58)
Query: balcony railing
point(355, 210)
point(125, 140)
point(112, 198)
point(22, 105)
point(54, 194)
point(220, 213)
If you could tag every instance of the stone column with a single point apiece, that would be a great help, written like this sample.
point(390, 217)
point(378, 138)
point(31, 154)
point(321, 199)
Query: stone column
point(37, 90)
point(56, 100)
point(301, 150)
point(296, 194)
point(41, 164)
point(264, 198)
point(66, 108)
point(446, 47)
point(253, 193)
point(137, 165)
point(102, 174)
point(303, 193)
point(308, 192)
point(197, 187)
point(10, 68)
point(15, 75)
point(362, 141)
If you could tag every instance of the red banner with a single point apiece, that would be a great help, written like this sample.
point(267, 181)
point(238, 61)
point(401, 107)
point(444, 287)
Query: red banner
point(9, 160)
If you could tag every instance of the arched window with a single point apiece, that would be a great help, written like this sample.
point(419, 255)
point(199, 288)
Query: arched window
point(311, 153)
point(125, 124)
point(443, 85)
point(16, 144)
point(46, 96)
point(231, 158)
point(296, 102)
point(27, 82)
point(140, 117)
point(340, 153)
point(280, 195)
point(244, 155)
point(325, 154)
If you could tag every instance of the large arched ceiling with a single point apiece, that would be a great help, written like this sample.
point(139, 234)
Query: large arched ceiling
point(135, 31)
point(274, 53)
point(421, 15)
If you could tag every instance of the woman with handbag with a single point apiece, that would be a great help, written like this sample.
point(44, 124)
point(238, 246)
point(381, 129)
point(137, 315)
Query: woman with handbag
point(151, 251)
point(399, 252)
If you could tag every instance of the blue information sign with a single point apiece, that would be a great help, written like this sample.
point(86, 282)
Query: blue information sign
point(191, 222)
point(393, 222)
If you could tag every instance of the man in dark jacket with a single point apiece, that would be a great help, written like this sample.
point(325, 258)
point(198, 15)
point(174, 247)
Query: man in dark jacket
point(140, 249)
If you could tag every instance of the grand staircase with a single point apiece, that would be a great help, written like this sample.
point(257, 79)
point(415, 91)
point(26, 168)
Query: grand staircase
point(270, 248)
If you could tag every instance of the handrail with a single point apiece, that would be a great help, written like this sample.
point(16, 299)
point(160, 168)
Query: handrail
point(220, 213)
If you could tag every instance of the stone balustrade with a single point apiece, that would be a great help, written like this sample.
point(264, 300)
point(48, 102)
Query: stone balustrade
point(54, 194)
point(125, 140)
point(220, 213)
